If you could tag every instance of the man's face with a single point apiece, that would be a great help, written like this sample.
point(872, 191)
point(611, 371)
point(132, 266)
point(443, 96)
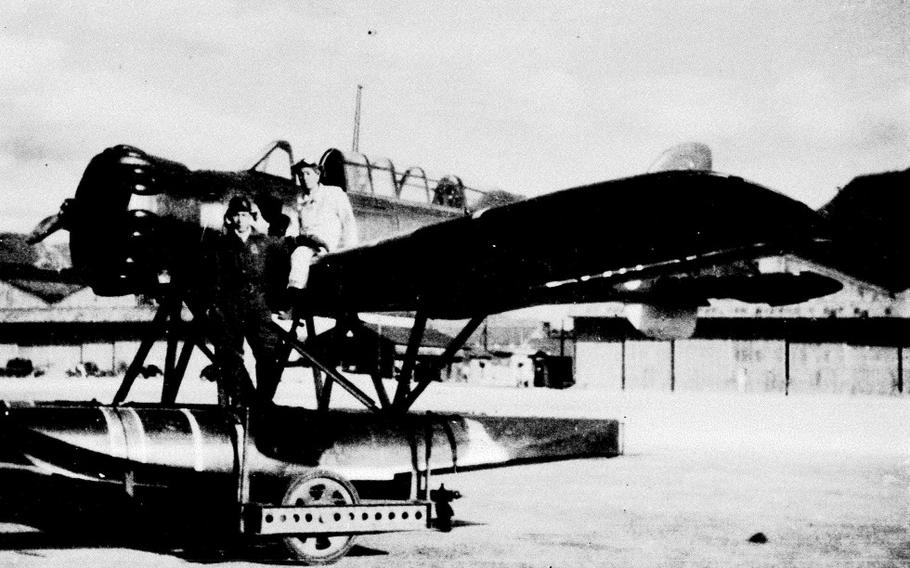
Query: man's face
point(241, 222)
point(310, 177)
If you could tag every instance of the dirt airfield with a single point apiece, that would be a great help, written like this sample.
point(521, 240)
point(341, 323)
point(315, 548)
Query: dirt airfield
point(824, 479)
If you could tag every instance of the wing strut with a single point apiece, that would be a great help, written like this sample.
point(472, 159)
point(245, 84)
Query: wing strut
point(343, 325)
point(171, 383)
point(174, 374)
point(334, 375)
point(164, 313)
point(356, 327)
point(457, 343)
point(285, 354)
point(168, 320)
point(410, 359)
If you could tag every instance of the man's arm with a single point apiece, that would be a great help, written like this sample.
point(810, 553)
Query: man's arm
point(310, 240)
point(349, 236)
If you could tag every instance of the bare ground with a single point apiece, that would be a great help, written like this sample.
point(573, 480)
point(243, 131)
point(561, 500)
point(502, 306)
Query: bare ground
point(826, 479)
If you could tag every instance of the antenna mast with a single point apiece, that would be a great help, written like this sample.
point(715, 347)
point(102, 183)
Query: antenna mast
point(355, 145)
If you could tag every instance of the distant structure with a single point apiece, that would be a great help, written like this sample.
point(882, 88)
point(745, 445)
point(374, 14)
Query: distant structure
point(851, 342)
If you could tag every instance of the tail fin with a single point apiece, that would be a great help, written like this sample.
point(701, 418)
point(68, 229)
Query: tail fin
point(869, 221)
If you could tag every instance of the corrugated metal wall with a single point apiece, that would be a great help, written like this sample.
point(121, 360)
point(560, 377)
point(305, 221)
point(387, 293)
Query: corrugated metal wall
point(702, 365)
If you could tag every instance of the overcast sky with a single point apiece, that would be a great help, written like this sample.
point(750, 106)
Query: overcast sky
point(527, 97)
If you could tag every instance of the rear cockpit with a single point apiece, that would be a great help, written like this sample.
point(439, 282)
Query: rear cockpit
point(377, 177)
point(386, 200)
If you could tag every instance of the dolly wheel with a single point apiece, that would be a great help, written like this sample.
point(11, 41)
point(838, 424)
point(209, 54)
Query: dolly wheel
point(320, 487)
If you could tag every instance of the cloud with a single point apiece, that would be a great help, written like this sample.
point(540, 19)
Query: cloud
point(689, 106)
point(23, 148)
point(22, 56)
point(886, 132)
point(528, 99)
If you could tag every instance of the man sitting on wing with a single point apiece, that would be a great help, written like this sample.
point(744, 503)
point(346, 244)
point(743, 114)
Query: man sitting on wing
point(326, 220)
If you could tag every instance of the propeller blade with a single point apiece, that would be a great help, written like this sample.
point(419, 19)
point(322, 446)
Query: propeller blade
point(45, 229)
point(52, 224)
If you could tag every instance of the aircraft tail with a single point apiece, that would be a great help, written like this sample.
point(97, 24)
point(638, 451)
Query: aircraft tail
point(868, 219)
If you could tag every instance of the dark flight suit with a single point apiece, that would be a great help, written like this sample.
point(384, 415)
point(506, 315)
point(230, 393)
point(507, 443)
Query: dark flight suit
point(238, 276)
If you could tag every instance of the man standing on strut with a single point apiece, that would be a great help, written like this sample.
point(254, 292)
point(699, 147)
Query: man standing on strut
point(235, 265)
point(327, 224)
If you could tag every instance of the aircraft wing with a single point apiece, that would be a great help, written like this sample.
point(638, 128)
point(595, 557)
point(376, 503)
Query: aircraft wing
point(52, 285)
point(20, 271)
point(667, 237)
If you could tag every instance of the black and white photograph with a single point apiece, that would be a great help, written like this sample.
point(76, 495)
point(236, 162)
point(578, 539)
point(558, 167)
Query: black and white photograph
point(455, 284)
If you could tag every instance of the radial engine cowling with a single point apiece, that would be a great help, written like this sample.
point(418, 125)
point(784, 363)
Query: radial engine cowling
point(128, 228)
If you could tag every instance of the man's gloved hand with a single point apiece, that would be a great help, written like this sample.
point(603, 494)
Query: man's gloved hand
point(260, 225)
